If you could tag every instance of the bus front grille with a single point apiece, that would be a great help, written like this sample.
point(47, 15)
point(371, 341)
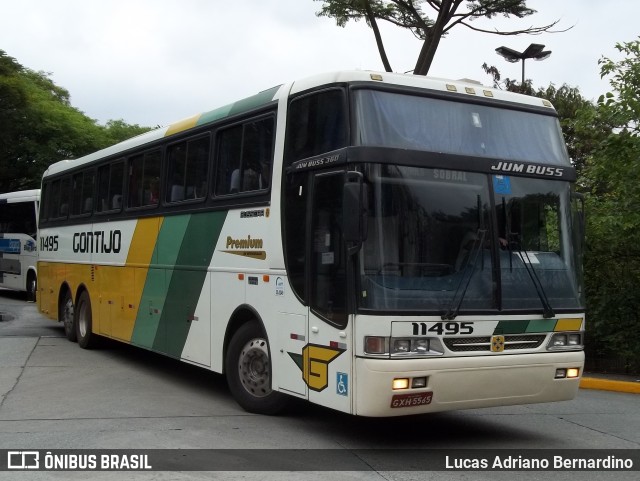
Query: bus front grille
point(511, 342)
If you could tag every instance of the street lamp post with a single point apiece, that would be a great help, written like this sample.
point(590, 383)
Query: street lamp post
point(535, 51)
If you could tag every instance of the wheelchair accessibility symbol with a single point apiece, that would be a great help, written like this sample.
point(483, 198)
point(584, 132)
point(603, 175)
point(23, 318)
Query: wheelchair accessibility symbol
point(342, 384)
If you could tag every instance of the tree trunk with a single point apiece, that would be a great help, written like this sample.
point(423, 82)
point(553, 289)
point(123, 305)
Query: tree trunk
point(432, 38)
point(376, 33)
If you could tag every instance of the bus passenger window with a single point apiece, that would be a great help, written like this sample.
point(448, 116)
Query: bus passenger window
point(144, 179)
point(245, 154)
point(187, 171)
point(110, 179)
point(82, 193)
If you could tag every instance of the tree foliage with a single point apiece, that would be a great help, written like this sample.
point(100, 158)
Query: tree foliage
point(39, 126)
point(610, 179)
point(410, 14)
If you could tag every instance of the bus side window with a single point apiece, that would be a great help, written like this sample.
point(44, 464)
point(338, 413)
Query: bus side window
point(245, 154)
point(316, 123)
point(82, 193)
point(188, 164)
point(110, 180)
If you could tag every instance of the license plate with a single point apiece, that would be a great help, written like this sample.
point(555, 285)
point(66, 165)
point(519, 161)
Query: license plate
point(411, 400)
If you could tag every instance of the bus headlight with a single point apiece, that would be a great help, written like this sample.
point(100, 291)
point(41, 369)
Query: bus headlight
point(410, 346)
point(403, 347)
point(566, 341)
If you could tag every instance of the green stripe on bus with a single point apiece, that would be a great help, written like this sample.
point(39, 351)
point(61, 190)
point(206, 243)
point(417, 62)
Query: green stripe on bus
point(541, 325)
point(511, 327)
point(185, 285)
point(239, 107)
point(154, 293)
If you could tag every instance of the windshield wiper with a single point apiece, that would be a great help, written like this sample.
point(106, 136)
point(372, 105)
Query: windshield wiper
point(452, 312)
point(547, 310)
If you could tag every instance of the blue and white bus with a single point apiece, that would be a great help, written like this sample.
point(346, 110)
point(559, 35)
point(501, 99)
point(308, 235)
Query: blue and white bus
point(18, 240)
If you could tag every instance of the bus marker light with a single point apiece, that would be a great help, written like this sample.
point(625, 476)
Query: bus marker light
point(265, 278)
point(241, 277)
point(375, 345)
point(400, 383)
point(338, 345)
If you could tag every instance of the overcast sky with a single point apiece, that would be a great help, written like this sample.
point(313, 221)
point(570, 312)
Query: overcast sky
point(153, 62)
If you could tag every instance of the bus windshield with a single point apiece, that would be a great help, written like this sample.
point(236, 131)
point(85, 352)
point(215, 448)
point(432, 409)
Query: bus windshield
point(439, 239)
point(422, 123)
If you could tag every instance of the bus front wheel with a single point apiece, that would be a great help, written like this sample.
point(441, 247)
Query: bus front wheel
point(248, 370)
point(86, 337)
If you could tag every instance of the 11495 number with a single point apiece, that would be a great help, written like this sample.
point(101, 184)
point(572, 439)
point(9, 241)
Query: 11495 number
point(442, 328)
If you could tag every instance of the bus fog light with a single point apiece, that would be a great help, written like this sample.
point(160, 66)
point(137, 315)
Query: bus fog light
point(561, 373)
point(376, 345)
point(573, 372)
point(419, 382)
point(400, 383)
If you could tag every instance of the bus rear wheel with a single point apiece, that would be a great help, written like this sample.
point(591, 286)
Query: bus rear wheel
point(86, 338)
point(67, 317)
point(248, 370)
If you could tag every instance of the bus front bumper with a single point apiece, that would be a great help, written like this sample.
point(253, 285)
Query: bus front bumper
point(463, 382)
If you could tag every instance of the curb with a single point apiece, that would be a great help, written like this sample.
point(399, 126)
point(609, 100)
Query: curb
point(609, 385)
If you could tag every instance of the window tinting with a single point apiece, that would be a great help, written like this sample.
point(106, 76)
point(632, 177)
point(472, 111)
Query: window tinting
point(144, 179)
point(110, 179)
point(245, 154)
point(316, 124)
point(82, 193)
point(421, 123)
point(187, 170)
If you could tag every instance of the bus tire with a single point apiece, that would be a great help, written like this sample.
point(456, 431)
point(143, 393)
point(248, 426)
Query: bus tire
point(86, 338)
point(67, 317)
point(248, 371)
point(32, 286)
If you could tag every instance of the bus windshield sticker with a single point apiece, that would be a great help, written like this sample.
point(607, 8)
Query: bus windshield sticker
point(502, 184)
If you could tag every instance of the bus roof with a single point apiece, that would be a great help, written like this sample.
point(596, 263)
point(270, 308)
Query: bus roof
point(464, 87)
point(20, 196)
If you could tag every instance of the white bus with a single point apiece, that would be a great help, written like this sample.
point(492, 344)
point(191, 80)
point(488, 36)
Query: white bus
point(377, 243)
point(18, 241)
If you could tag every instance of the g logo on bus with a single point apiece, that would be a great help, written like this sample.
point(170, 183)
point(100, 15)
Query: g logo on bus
point(314, 364)
point(497, 343)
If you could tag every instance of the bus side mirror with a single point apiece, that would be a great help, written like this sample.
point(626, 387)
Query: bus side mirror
point(354, 212)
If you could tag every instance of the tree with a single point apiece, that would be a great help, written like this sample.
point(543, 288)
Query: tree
point(39, 126)
point(610, 178)
point(409, 14)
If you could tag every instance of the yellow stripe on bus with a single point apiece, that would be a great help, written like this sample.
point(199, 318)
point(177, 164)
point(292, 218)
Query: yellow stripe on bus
point(182, 125)
point(143, 242)
point(127, 302)
point(568, 325)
